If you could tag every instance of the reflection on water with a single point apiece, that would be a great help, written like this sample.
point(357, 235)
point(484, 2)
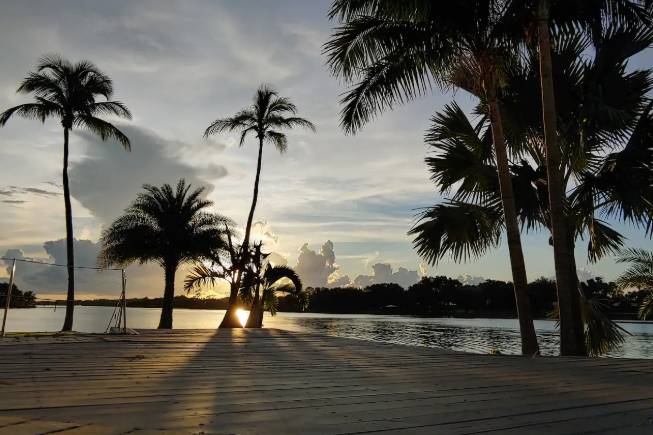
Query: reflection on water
point(469, 335)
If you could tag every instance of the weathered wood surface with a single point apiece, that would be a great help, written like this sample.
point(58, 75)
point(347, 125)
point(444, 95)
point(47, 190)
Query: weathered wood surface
point(271, 381)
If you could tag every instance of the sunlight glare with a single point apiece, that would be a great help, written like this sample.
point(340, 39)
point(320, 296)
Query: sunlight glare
point(242, 316)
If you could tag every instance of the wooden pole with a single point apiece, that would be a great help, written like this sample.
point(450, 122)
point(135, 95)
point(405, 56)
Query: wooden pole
point(8, 296)
point(124, 303)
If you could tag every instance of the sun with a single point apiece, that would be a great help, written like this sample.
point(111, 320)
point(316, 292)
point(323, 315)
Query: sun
point(242, 316)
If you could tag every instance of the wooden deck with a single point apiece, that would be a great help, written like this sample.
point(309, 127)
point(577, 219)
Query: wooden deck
point(271, 381)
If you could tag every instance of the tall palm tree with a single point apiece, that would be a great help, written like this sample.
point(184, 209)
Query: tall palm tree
point(166, 226)
point(639, 275)
point(268, 115)
point(69, 92)
point(590, 15)
point(397, 49)
point(606, 139)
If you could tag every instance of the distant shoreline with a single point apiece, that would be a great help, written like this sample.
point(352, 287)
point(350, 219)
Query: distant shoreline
point(183, 302)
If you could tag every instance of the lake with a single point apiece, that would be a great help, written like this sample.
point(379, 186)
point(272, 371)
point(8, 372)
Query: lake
point(469, 335)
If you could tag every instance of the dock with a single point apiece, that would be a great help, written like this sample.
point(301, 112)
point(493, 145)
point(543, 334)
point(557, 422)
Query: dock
point(271, 381)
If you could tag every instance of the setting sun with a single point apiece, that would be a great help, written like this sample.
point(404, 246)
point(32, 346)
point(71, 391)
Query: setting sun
point(242, 316)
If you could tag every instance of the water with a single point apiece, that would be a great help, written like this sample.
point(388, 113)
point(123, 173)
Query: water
point(469, 335)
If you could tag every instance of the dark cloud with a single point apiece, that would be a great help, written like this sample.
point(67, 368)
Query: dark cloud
point(13, 201)
point(108, 178)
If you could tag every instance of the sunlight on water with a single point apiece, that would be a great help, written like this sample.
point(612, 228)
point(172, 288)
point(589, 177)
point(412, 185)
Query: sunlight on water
point(242, 315)
point(468, 335)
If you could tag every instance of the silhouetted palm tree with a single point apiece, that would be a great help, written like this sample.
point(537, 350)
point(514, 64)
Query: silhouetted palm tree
point(68, 92)
point(592, 16)
point(639, 275)
point(265, 119)
point(261, 284)
point(397, 49)
point(167, 226)
point(620, 121)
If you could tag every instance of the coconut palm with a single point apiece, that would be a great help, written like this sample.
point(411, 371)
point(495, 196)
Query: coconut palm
point(68, 92)
point(266, 118)
point(168, 226)
point(590, 16)
point(600, 182)
point(639, 275)
point(394, 51)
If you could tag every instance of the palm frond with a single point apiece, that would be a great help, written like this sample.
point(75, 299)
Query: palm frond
point(40, 111)
point(115, 108)
point(602, 335)
point(279, 140)
point(458, 229)
point(102, 128)
point(201, 276)
point(646, 308)
point(245, 119)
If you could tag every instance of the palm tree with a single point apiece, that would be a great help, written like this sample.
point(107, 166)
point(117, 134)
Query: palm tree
point(68, 92)
point(639, 275)
point(592, 16)
point(260, 288)
point(620, 121)
point(265, 119)
point(269, 300)
point(167, 226)
point(397, 49)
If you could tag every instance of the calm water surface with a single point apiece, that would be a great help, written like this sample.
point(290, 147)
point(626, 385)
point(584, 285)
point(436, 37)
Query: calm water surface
point(470, 335)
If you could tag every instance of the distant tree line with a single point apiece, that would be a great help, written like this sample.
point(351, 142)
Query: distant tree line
point(443, 296)
point(19, 299)
point(437, 296)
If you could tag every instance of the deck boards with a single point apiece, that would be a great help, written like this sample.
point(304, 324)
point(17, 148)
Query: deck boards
point(272, 381)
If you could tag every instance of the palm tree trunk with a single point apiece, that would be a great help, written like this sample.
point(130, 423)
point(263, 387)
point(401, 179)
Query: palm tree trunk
point(230, 319)
point(528, 338)
point(170, 269)
point(571, 327)
point(257, 303)
point(70, 298)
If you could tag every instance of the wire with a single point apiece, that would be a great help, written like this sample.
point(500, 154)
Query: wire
point(58, 265)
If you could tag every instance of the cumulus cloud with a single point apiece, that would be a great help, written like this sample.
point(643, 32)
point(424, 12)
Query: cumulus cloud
point(468, 279)
point(383, 273)
point(108, 178)
point(314, 268)
point(262, 231)
point(319, 269)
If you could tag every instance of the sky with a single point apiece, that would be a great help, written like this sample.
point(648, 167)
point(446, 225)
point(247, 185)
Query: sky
point(336, 207)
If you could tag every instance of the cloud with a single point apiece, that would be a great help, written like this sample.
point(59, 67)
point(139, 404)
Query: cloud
point(11, 191)
point(13, 201)
point(383, 273)
point(47, 279)
point(107, 178)
point(468, 279)
point(50, 281)
point(262, 231)
point(18, 254)
point(314, 268)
